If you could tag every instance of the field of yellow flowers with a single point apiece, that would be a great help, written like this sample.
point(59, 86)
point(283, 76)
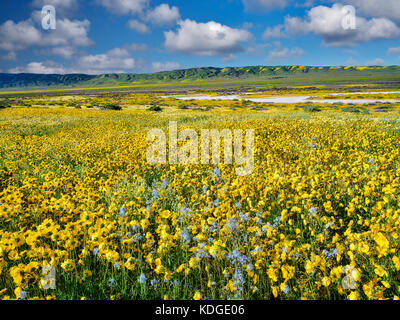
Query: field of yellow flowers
point(84, 216)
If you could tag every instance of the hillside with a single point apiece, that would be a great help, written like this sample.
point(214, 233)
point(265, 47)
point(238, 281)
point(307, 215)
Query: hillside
point(24, 80)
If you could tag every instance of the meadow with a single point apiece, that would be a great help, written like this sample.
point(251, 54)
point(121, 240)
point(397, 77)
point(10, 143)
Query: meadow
point(84, 216)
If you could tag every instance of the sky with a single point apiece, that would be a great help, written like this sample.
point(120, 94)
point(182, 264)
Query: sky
point(142, 36)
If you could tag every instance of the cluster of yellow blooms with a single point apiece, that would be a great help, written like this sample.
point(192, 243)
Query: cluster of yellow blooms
point(319, 217)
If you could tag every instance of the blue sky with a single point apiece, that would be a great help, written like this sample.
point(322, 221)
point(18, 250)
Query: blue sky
point(107, 36)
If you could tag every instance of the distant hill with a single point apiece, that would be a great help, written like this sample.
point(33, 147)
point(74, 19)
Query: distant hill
point(25, 80)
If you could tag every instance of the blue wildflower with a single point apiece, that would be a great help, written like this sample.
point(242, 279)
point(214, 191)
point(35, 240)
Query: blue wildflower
point(122, 212)
point(142, 279)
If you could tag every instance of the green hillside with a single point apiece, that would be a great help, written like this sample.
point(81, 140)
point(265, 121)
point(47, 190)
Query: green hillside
point(195, 74)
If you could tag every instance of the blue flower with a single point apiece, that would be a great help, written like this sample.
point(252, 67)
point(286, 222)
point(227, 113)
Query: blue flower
point(164, 183)
point(276, 221)
point(185, 236)
point(328, 225)
point(154, 282)
point(176, 282)
point(116, 265)
point(217, 172)
point(154, 194)
point(111, 283)
point(142, 279)
point(244, 217)
point(22, 295)
point(372, 160)
point(185, 211)
point(122, 212)
point(286, 289)
point(330, 254)
point(237, 258)
point(96, 251)
point(313, 211)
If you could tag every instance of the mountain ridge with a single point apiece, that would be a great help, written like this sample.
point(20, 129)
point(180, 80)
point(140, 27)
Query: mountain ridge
point(22, 80)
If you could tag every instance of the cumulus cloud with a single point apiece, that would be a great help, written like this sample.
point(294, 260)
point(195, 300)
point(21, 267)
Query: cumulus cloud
point(61, 6)
point(326, 22)
point(168, 66)
point(163, 15)
point(117, 60)
point(206, 39)
point(69, 32)
point(263, 5)
point(375, 62)
point(18, 36)
point(379, 9)
point(9, 56)
point(47, 67)
point(24, 34)
point(125, 6)
point(65, 52)
point(351, 62)
point(274, 32)
point(136, 47)
point(394, 50)
point(280, 53)
point(138, 26)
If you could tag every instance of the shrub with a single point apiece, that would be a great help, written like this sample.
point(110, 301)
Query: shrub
point(311, 109)
point(155, 108)
point(183, 107)
point(351, 109)
point(110, 107)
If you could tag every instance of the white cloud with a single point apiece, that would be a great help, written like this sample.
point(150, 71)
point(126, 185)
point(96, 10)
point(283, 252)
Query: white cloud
point(65, 52)
point(47, 67)
point(136, 47)
point(163, 15)
point(69, 32)
point(9, 56)
point(117, 60)
point(274, 32)
point(394, 50)
point(375, 62)
point(168, 66)
point(280, 53)
point(125, 6)
point(138, 26)
point(351, 62)
point(61, 6)
point(326, 22)
point(263, 5)
point(206, 39)
point(374, 8)
point(24, 34)
point(18, 36)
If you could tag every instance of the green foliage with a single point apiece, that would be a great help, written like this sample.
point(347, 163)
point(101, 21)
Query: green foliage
point(155, 108)
point(351, 110)
point(311, 108)
point(194, 74)
point(111, 106)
